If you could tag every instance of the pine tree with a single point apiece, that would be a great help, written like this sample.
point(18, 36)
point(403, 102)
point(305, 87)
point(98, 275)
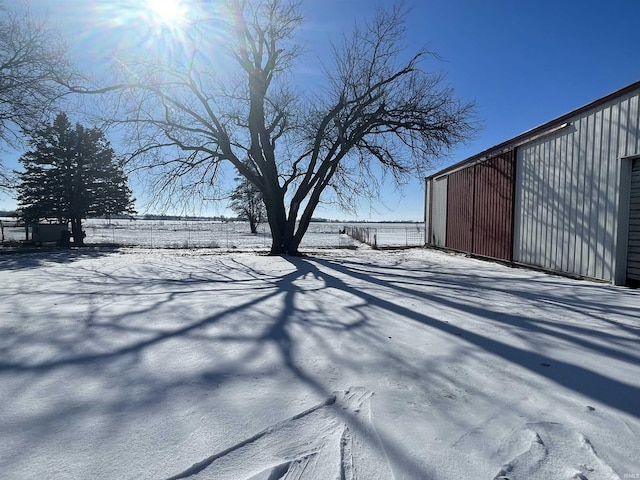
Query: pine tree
point(71, 173)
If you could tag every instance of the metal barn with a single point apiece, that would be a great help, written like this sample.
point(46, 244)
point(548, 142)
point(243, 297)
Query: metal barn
point(564, 196)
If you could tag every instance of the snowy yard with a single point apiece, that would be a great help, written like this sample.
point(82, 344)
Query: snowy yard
point(345, 365)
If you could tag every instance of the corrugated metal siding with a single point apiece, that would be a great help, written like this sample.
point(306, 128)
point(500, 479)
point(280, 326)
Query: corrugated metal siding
point(567, 191)
point(493, 207)
point(439, 212)
point(480, 207)
point(633, 255)
point(460, 210)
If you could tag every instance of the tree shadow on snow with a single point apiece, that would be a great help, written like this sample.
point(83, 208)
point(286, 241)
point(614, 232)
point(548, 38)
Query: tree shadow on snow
point(454, 294)
point(268, 311)
point(111, 347)
point(24, 260)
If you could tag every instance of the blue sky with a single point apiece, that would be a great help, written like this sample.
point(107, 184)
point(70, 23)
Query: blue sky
point(522, 62)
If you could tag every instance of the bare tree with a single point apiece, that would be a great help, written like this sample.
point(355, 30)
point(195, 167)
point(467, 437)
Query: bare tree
point(378, 113)
point(31, 56)
point(247, 201)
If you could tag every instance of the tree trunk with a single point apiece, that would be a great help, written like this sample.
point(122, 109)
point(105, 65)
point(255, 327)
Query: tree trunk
point(76, 232)
point(279, 240)
point(286, 238)
point(286, 232)
point(283, 236)
point(302, 226)
point(277, 218)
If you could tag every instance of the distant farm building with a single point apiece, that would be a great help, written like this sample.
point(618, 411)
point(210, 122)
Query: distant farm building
point(563, 197)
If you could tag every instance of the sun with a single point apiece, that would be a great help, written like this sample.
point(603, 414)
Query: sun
point(167, 13)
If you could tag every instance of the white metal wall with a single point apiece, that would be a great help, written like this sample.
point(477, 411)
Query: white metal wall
point(567, 187)
point(439, 212)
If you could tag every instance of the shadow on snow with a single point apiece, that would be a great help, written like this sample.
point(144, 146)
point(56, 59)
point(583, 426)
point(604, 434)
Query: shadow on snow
point(268, 313)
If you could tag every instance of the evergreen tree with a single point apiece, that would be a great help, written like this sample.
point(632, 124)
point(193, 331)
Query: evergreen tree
point(70, 174)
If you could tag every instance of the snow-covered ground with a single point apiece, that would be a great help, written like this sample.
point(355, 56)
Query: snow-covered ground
point(344, 365)
point(202, 234)
point(223, 235)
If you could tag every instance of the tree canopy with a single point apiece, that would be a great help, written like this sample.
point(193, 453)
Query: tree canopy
point(71, 173)
point(228, 95)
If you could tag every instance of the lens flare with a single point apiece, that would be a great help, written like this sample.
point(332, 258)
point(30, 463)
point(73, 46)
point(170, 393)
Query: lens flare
point(167, 13)
point(126, 35)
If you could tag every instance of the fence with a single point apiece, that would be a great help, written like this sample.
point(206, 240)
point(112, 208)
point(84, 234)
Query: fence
point(363, 234)
point(229, 235)
point(11, 231)
point(174, 234)
point(380, 236)
point(186, 234)
point(203, 234)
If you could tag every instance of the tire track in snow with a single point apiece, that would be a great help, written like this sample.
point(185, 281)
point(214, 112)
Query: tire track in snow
point(333, 440)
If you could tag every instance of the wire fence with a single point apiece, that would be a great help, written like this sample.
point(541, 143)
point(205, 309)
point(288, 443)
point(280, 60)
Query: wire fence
point(363, 234)
point(409, 235)
point(11, 231)
point(227, 235)
point(185, 234)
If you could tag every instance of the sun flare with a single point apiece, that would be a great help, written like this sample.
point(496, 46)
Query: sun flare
point(166, 12)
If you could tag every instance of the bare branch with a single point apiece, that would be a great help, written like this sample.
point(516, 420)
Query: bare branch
point(378, 116)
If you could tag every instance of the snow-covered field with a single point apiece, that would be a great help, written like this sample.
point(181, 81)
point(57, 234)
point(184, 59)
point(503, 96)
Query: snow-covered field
point(201, 234)
point(344, 365)
point(223, 235)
